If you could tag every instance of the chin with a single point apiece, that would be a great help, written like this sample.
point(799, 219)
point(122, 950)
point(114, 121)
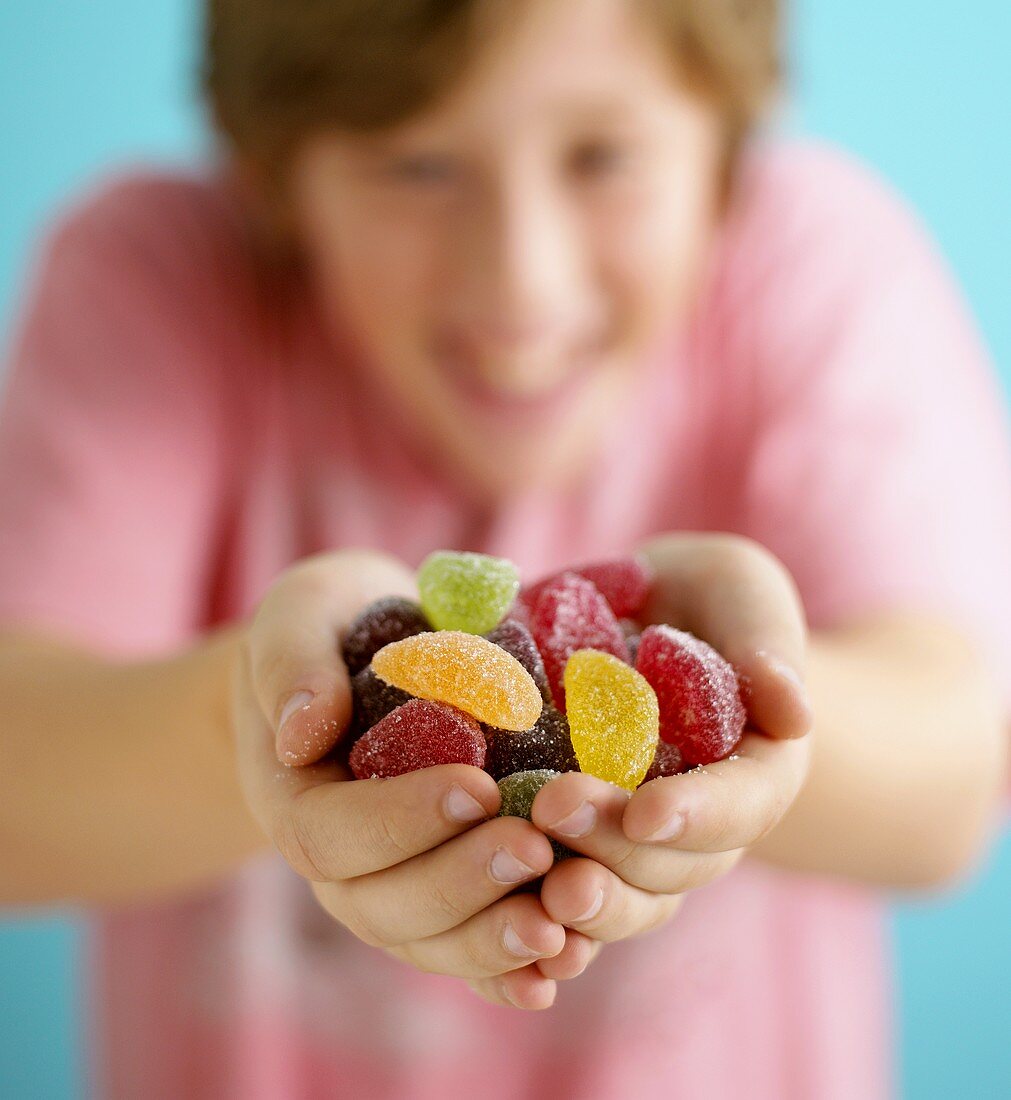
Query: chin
point(498, 470)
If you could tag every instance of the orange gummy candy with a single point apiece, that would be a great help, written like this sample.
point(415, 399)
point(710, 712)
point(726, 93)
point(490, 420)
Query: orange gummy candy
point(466, 671)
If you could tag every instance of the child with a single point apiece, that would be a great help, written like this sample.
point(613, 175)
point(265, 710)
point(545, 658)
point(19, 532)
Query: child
point(519, 279)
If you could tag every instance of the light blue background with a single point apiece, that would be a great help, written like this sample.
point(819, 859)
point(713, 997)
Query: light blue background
point(922, 90)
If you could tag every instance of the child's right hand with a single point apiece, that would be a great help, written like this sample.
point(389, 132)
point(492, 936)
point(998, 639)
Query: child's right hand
point(410, 864)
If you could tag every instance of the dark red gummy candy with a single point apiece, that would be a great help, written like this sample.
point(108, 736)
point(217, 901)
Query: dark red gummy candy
point(373, 699)
point(515, 638)
point(623, 582)
point(547, 745)
point(390, 619)
point(571, 614)
point(667, 761)
point(700, 707)
point(420, 734)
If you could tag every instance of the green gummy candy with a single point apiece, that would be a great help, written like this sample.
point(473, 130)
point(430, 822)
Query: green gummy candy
point(469, 592)
point(518, 792)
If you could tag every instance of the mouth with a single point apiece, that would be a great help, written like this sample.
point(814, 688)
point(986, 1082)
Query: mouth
point(509, 406)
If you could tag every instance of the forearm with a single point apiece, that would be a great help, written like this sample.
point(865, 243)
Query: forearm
point(119, 780)
point(909, 758)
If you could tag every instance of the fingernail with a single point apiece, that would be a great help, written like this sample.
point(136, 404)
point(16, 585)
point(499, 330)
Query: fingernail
point(580, 822)
point(515, 946)
point(785, 672)
point(461, 806)
point(669, 830)
point(504, 990)
point(299, 701)
point(506, 869)
point(594, 909)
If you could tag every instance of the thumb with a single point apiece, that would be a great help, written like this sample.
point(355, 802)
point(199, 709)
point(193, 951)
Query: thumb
point(298, 676)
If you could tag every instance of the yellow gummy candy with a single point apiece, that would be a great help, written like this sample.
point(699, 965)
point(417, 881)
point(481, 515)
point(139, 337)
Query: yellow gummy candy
point(613, 715)
point(466, 671)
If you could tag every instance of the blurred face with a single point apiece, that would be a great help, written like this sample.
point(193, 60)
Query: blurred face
point(507, 260)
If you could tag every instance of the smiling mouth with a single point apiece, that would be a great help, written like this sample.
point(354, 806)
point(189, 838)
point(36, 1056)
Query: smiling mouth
point(482, 397)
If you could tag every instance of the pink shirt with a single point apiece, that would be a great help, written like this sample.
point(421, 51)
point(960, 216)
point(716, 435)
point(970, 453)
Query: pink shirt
point(176, 432)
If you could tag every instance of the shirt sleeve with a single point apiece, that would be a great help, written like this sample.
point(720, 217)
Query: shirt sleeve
point(879, 465)
point(111, 460)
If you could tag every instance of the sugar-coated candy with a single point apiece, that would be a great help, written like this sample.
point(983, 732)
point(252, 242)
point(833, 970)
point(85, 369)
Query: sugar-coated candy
point(518, 792)
point(466, 671)
point(623, 582)
point(667, 761)
point(469, 592)
point(384, 621)
point(700, 706)
point(614, 719)
point(571, 614)
point(419, 734)
point(516, 639)
point(547, 745)
point(373, 699)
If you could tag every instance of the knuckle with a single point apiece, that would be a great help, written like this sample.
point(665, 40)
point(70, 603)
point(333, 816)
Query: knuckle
point(383, 837)
point(627, 864)
point(445, 904)
point(363, 923)
point(298, 845)
point(478, 961)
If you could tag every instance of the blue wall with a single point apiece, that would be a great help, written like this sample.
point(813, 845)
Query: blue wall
point(921, 90)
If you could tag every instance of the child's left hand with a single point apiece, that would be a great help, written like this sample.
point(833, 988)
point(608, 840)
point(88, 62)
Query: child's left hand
point(672, 835)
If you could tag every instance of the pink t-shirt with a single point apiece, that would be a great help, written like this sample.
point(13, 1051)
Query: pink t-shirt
point(178, 429)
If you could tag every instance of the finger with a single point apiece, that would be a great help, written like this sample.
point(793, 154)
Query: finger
point(506, 936)
point(723, 806)
point(585, 814)
point(739, 598)
point(582, 894)
point(297, 673)
point(442, 888)
point(526, 988)
point(328, 829)
point(577, 954)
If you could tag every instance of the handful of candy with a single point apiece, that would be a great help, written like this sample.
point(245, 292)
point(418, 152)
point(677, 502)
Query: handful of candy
point(527, 683)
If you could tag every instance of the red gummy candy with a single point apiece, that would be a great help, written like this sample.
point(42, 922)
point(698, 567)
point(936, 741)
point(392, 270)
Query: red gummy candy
point(700, 707)
point(390, 619)
point(667, 761)
point(571, 614)
point(419, 734)
point(623, 582)
point(515, 638)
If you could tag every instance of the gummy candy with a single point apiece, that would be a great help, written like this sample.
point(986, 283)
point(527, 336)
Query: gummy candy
point(466, 671)
point(419, 734)
point(614, 718)
point(384, 621)
point(571, 614)
point(516, 639)
point(373, 699)
point(547, 745)
point(469, 592)
point(518, 792)
point(667, 761)
point(700, 706)
point(623, 582)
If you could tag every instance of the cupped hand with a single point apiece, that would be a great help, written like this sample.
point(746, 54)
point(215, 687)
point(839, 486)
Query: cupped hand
point(644, 851)
point(417, 865)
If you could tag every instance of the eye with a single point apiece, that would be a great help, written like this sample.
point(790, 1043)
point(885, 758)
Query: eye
point(425, 169)
point(597, 159)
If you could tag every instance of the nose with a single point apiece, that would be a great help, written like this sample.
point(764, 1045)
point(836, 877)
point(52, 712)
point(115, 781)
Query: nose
point(521, 284)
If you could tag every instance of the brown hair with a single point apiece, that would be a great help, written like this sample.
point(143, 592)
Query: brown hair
point(276, 70)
